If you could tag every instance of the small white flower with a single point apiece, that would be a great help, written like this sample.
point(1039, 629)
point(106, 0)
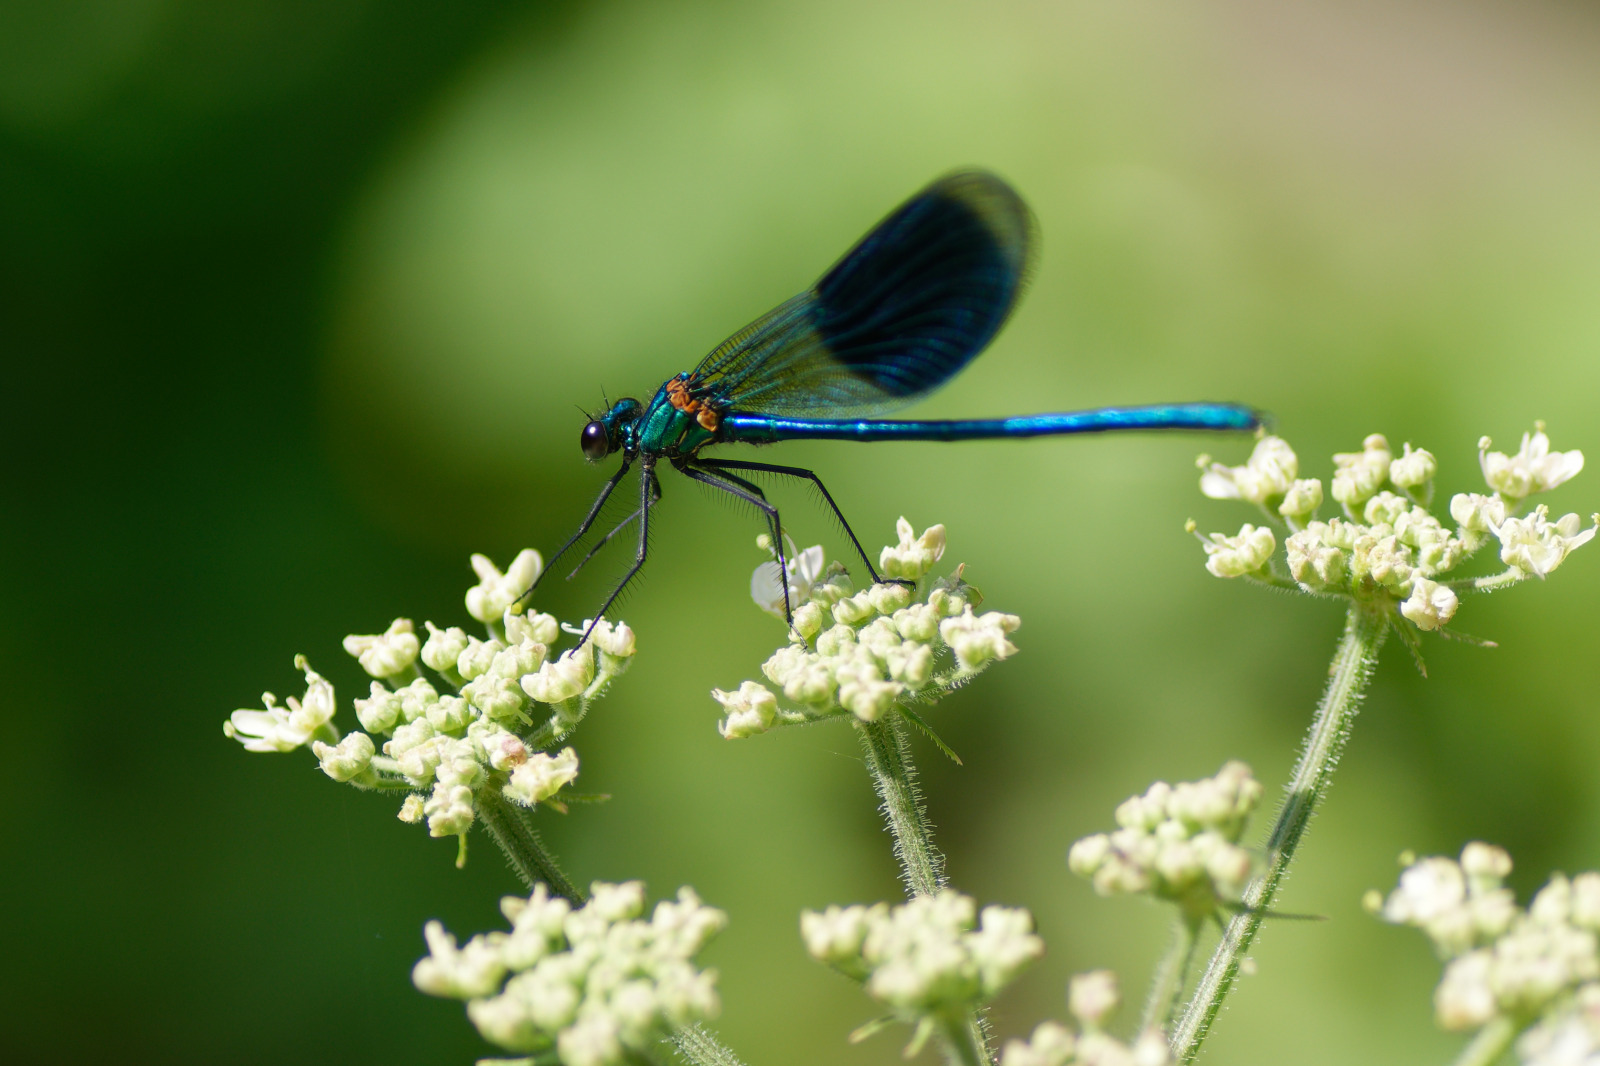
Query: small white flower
point(1176, 843)
point(563, 679)
point(1358, 475)
point(1413, 468)
point(1430, 605)
point(443, 647)
point(389, 653)
point(616, 641)
point(1535, 545)
point(286, 728)
point(862, 689)
point(977, 639)
point(1052, 1044)
point(449, 809)
point(348, 759)
point(593, 1040)
point(1093, 997)
point(1535, 468)
point(1237, 556)
point(805, 570)
point(1270, 471)
point(1313, 560)
point(924, 956)
point(751, 710)
point(1302, 499)
point(459, 973)
point(1003, 945)
point(488, 599)
point(835, 936)
point(380, 712)
point(915, 555)
point(541, 777)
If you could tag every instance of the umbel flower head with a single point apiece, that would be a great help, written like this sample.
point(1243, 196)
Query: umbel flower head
point(865, 653)
point(1176, 842)
point(1537, 968)
point(597, 985)
point(490, 717)
point(1091, 998)
point(1388, 549)
point(926, 959)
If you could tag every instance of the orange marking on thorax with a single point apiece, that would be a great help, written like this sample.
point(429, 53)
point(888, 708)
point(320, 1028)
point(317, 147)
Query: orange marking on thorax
point(679, 396)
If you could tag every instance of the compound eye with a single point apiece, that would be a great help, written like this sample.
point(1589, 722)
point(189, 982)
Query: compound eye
point(596, 442)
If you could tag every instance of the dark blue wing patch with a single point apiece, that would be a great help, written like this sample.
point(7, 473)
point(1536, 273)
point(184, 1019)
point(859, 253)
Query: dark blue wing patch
point(911, 304)
point(929, 288)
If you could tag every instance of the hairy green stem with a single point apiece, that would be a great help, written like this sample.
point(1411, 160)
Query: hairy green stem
point(1348, 676)
point(512, 828)
point(889, 761)
point(1490, 1043)
point(965, 1040)
point(699, 1046)
point(1168, 984)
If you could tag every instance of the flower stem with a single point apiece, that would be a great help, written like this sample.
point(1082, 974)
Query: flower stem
point(921, 865)
point(1490, 1043)
point(964, 1042)
point(525, 851)
point(699, 1046)
point(889, 761)
point(1348, 676)
point(512, 828)
point(1168, 985)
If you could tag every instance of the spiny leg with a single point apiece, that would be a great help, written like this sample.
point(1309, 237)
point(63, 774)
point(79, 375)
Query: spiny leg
point(751, 494)
point(594, 512)
point(723, 465)
point(647, 496)
point(609, 536)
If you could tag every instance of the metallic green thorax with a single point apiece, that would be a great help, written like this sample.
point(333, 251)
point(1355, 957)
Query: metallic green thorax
point(659, 429)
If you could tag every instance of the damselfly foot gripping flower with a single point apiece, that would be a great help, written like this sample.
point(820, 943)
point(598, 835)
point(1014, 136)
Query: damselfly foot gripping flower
point(490, 718)
point(863, 654)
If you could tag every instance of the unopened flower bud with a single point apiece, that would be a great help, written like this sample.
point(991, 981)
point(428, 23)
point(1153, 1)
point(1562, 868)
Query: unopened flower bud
point(389, 653)
point(542, 776)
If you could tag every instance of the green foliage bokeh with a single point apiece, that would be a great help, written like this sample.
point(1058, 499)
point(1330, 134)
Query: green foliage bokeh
point(299, 299)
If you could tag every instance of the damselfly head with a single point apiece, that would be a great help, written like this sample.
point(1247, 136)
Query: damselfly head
point(596, 442)
point(603, 435)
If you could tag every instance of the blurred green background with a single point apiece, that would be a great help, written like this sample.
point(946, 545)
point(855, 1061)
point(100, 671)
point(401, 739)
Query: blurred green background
point(299, 296)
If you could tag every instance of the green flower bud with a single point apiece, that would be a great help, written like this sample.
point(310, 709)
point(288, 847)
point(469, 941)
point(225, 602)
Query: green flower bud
point(387, 654)
point(347, 760)
point(751, 710)
point(915, 555)
point(488, 600)
point(380, 712)
point(541, 777)
point(443, 647)
point(449, 810)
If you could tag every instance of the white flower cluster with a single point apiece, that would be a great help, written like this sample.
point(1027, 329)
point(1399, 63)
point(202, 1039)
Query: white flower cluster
point(598, 984)
point(1569, 1036)
point(861, 652)
point(1503, 961)
point(1176, 842)
point(445, 745)
point(930, 955)
point(1092, 997)
point(1388, 544)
